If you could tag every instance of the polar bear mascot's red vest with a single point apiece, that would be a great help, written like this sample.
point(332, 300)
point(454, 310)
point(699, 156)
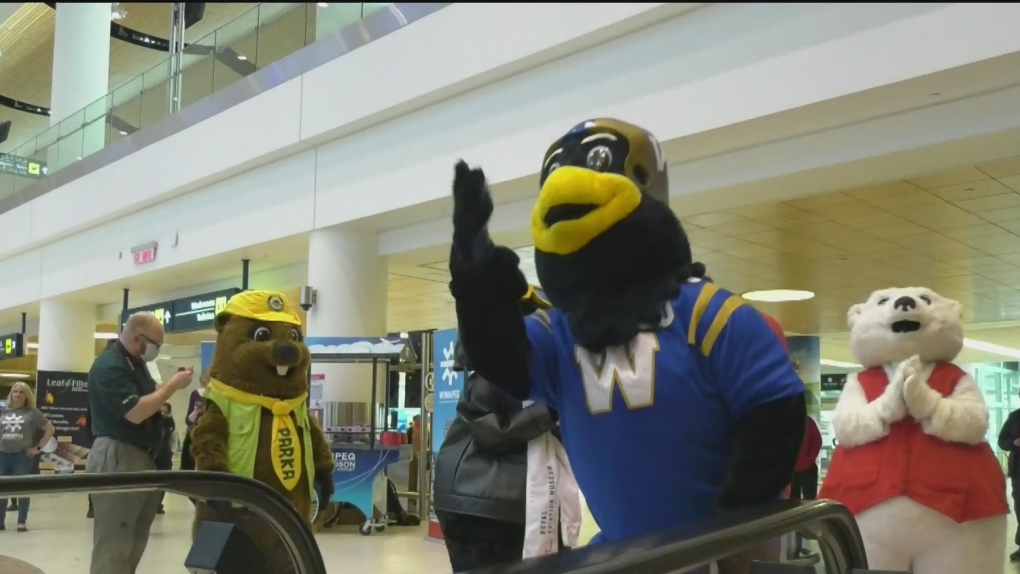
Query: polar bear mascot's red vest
point(912, 462)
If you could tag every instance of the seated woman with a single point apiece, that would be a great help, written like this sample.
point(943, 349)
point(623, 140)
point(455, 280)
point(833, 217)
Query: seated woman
point(20, 422)
point(481, 470)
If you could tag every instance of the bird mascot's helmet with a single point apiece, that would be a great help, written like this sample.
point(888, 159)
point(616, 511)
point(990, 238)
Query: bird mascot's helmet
point(592, 178)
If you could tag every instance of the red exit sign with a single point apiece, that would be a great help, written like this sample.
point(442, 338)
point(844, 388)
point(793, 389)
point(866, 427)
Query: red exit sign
point(144, 253)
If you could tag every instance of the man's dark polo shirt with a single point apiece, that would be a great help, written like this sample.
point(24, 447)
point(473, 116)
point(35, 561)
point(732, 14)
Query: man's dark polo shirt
point(116, 382)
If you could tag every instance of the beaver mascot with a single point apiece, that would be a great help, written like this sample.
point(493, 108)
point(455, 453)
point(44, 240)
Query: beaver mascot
point(256, 421)
point(655, 372)
point(912, 462)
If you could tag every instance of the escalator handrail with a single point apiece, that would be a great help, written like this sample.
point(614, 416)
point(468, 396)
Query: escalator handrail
point(295, 534)
point(709, 541)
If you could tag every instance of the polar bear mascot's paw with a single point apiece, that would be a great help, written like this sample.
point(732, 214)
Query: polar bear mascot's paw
point(912, 462)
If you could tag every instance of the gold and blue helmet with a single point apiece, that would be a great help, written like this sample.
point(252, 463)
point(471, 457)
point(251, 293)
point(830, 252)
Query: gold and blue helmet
point(592, 178)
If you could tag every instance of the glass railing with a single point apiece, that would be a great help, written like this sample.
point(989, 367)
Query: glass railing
point(262, 528)
point(763, 540)
point(261, 36)
point(789, 537)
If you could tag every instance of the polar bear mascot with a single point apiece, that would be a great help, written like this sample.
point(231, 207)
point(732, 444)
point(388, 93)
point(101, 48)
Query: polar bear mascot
point(912, 462)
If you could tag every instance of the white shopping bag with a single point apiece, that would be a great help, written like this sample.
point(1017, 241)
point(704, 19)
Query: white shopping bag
point(553, 499)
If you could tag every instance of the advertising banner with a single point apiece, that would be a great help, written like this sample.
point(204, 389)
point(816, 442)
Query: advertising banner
point(448, 385)
point(63, 397)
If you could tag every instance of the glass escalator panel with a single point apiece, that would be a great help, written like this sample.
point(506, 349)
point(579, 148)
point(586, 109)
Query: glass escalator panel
point(785, 538)
point(243, 527)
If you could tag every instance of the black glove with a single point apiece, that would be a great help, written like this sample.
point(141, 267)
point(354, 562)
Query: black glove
point(472, 208)
point(324, 488)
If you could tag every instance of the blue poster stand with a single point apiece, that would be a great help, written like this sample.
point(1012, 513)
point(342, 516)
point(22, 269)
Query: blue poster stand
point(358, 470)
point(358, 479)
point(448, 385)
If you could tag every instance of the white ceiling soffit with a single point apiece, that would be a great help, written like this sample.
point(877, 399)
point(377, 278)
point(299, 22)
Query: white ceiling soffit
point(7, 9)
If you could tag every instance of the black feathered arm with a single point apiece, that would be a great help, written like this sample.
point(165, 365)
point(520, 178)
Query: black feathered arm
point(766, 400)
point(766, 447)
point(490, 324)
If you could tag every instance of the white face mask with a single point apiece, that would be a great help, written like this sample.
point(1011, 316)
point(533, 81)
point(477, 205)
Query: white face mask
point(150, 353)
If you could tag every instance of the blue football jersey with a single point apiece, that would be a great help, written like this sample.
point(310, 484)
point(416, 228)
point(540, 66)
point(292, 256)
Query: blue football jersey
point(648, 427)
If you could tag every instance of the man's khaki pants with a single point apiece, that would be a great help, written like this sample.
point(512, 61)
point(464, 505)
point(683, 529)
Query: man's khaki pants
point(123, 520)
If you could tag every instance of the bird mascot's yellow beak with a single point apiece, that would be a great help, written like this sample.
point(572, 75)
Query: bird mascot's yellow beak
point(613, 197)
point(592, 178)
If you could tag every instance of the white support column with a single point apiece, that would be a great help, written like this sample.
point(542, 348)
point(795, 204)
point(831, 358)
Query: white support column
point(345, 268)
point(66, 335)
point(81, 76)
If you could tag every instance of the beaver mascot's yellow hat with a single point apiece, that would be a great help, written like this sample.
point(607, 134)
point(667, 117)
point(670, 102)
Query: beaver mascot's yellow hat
point(266, 306)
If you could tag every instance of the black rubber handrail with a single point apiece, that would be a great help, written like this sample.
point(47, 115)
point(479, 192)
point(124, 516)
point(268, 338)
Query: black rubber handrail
point(296, 536)
point(714, 539)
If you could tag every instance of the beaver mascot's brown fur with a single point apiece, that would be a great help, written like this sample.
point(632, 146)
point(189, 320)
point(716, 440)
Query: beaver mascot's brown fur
point(256, 420)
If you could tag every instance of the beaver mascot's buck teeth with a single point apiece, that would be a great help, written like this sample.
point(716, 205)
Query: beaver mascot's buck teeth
point(282, 371)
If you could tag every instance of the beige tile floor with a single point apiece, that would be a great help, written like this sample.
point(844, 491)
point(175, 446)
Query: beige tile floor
point(60, 542)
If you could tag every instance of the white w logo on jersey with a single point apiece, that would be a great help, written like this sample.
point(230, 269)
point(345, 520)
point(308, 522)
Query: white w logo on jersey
point(630, 368)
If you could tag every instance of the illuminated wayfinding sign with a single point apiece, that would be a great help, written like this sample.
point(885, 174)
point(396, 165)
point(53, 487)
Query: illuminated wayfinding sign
point(12, 345)
point(199, 312)
point(22, 166)
point(188, 313)
point(161, 311)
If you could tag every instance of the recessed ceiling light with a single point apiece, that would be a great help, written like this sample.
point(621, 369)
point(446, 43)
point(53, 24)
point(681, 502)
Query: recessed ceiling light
point(123, 133)
point(79, 157)
point(839, 364)
point(14, 375)
point(322, 4)
point(778, 295)
point(242, 57)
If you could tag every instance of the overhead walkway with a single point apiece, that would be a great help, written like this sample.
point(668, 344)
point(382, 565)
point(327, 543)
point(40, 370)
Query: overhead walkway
point(745, 543)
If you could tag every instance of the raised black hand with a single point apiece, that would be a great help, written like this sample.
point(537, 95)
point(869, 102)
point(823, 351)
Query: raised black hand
point(488, 285)
point(472, 208)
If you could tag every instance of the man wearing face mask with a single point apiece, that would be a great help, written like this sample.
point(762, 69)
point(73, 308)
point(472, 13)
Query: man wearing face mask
point(125, 404)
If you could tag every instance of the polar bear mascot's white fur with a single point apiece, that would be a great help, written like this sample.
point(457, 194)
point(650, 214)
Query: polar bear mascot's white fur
point(912, 462)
